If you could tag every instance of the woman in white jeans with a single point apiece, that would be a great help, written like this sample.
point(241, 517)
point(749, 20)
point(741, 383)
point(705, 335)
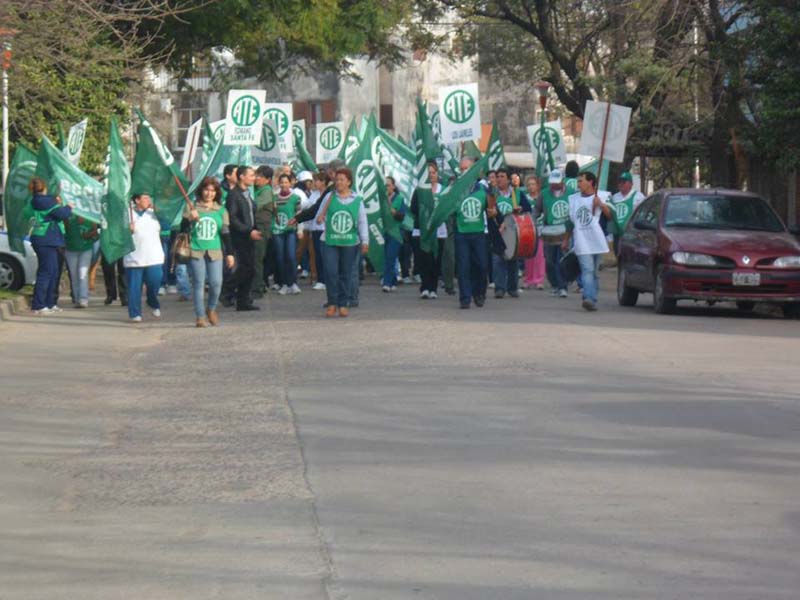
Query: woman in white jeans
point(80, 237)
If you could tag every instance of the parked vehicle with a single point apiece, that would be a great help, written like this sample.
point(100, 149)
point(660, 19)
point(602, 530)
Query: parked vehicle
point(15, 269)
point(710, 245)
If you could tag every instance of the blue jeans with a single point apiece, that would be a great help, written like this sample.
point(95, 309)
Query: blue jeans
point(589, 281)
point(471, 265)
point(340, 261)
point(182, 280)
point(151, 278)
point(200, 267)
point(391, 249)
point(355, 279)
point(286, 256)
point(47, 274)
point(506, 274)
point(78, 264)
point(316, 237)
point(552, 256)
point(167, 278)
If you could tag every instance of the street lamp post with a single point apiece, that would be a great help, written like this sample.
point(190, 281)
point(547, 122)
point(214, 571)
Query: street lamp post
point(7, 34)
point(543, 88)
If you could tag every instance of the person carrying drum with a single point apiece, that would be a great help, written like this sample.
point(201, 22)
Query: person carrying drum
point(555, 207)
point(506, 272)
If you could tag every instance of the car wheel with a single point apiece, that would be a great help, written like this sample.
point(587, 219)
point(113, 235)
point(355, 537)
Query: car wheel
point(663, 305)
point(745, 305)
point(626, 296)
point(12, 277)
point(791, 311)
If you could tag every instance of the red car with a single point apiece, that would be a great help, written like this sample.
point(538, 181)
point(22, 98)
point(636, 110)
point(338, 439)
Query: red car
point(709, 245)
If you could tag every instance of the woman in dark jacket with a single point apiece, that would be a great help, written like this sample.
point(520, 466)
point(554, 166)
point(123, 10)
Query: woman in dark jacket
point(47, 239)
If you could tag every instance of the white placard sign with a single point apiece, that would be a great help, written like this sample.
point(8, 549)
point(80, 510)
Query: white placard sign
point(244, 117)
point(191, 143)
point(283, 115)
point(330, 137)
point(75, 139)
point(459, 113)
point(594, 119)
point(268, 151)
point(552, 134)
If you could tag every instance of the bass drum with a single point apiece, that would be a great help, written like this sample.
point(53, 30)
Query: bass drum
point(519, 236)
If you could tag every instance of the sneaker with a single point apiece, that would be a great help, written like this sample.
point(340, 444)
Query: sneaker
point(318, 286)
point(514, 294)
point(589, 305)
point(433, 296)
point(275, 287)
point(554, 292)
point(162, 291)
point(136, 319)
point(406, 279)
point(392, 288)
point(417, 279)
point(479, 301)
point(304, 274)
point(294, 290)
point(499, 293)
point(386, 289)
point(83, 304)
point(562, 293)
point(491, 285)
point(172, 289)
point(425, 295)
point(283, 290)
point(56, 309)
point(42, 311)
point(157, 313)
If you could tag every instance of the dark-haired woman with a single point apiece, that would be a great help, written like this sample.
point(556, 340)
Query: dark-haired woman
point(346, 229)
point(284, 235)
point(208, 226)
point(47, 239)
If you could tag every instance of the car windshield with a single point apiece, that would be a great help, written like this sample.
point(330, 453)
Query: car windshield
point(720, 212)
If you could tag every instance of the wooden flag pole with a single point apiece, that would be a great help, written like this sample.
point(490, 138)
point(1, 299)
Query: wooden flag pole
point(603, 143)
point(183, 192)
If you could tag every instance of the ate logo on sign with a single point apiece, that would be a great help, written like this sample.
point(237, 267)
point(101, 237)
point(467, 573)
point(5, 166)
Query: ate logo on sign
point(280, 118)
point(459, 106)
point(245, 111)
point(471, 208)
point(76, 141)
point(504, 206)
point(584, 216)
point(206, 229)
point(298, 133)
point(560, 209)
point(330, 138)
point(341, 222)
point(268, 140)
point(541, 139)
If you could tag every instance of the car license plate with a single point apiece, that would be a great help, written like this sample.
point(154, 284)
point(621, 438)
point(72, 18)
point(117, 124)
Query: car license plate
point(747, 279)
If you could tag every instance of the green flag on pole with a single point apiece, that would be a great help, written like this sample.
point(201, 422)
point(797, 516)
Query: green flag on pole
point(471, 150)
point(425, 133)
point(18, 198)
point(351, 142)
point(303, 159)
point(115, 234)
point(75, 187)
point(495, 152)
point(154, 173)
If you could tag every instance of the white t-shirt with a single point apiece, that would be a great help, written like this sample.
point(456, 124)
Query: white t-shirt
point(307, 203)
point(587, 235)
point(638, 197)
point(146, 241)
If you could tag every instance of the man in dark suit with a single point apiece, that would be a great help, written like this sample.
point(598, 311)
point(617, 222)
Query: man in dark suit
point(243, 235)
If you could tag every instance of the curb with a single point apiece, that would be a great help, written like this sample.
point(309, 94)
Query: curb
point(14, 307)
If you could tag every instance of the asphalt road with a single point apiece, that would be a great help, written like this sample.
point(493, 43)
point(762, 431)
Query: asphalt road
point(524, 450)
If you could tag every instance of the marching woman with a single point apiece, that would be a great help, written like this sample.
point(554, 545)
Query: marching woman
point(80, 238)
point(391, 248)
point(284, 235)
point(346, 231)
point(47, 239)
point(208, 226)
point(429, 265)
point(143, 266)
point(534, 267)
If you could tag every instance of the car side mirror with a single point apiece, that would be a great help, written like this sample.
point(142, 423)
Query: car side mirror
point(643, 225)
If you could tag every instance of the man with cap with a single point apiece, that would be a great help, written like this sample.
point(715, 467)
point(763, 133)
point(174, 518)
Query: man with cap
point(623, 203)
point(554, 205)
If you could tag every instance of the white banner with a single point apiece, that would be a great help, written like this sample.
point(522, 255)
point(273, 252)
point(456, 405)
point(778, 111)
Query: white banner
point(191, 143)
point(268, 151)
point(243, 121)
point(553, 135)
point(330, 137)
point(75, 139)
point(594, 122)
point(459, 113)
point(282, 114)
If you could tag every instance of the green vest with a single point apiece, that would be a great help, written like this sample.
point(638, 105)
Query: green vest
point(41, 226)
point(570, 186)
point(407, 223)
point(73, 236)
point(556, 210)
point(341, 222)
point(207, 231)
point(505, 206)
point(622, 211)
point(469, 216)
point(286, 211)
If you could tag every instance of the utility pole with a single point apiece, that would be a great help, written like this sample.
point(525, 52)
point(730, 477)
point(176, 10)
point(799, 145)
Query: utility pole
point(6, 35)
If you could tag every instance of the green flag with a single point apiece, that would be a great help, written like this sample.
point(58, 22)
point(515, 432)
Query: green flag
point(154, 173)
point(115, 234)
point(351, 142)
point(75, 187)
point(497, 157)
point(62, 139)
point(368, 183)
point(17, 197)
point(425, 197)
point(471, 150)
point(303, 159)
point(425, 133)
